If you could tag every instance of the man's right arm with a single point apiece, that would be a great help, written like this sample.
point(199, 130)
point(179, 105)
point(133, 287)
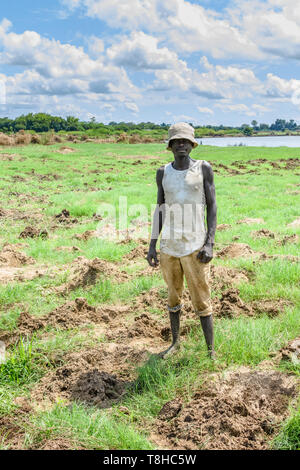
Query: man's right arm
point(157, 219)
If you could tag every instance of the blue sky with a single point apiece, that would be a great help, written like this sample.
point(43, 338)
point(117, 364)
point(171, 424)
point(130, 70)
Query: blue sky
point(201, 61)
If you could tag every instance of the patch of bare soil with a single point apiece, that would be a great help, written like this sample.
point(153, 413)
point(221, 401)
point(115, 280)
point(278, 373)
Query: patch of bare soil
point(17, 266)
point(9, 156)
point(238, 411)
point(295, 223)
point(86, 272)
point(11, 426)
point(250, 221)
point(33, 232)
point(65, 150)
point(223, 227)
point(11, 256)
point(60, 443)
point(69, 315)
point(90, 375)
point(291, 352)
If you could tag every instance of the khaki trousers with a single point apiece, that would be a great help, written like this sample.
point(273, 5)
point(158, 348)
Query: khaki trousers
point(197, 276)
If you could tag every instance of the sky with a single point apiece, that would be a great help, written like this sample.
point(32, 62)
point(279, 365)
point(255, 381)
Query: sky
point(201, 61)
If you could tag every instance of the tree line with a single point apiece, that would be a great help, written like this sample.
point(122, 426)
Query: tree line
point(42, 122)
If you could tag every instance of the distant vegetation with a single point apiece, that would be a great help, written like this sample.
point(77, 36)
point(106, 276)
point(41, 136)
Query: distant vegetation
point(124, 131)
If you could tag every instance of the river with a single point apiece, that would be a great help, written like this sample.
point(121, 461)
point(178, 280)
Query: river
point(270, 141)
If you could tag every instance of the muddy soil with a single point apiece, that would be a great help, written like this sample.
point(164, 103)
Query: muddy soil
point(11, 256)
point(236, 250)
point(15, 265)
point(64, 217)
point(90, 375)
point(238, 411)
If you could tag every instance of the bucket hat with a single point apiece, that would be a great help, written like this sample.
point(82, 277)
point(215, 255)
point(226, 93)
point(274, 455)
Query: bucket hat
point(181, 130)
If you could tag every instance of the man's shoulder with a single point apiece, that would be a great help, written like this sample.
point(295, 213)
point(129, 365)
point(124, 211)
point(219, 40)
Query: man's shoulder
point(160, 174)
point(206, 168)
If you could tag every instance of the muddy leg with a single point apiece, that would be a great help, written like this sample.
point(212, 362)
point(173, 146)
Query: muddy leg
point(175, 329)
point(208, 330)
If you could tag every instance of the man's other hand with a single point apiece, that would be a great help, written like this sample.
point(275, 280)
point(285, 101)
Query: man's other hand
point(152, 257)
point(205, 255)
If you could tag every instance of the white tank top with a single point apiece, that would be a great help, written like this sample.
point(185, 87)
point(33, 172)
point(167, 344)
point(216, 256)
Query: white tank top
point(183, 231)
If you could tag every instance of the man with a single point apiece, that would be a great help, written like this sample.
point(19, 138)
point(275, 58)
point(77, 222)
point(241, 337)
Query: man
point(185, 189)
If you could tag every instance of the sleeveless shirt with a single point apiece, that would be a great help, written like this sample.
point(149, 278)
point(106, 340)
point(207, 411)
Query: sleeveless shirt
point(183, 230)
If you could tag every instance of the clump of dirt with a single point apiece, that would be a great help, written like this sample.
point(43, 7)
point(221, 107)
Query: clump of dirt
point(288, 239)
point(144, 325)
point(68, 248)
point(33, 232)
point(236, 250)
point(231, 305)
point(86, 235)
point(170, 410)
point(223, 227)
point(291, 352)
point(240, 411)
point(10, 256)
point(263, 233)
point(64, 217)
point(85, 272)
point(137, 252)
point(249, 221)
point(98, 388)
point(222, 277)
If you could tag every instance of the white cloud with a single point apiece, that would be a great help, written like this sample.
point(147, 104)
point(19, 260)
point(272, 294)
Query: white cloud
point(205, 110)
point(141, 51)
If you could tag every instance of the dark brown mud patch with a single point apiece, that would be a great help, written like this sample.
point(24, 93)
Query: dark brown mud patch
point(33, 232)
point(75, 379)
point(240, 411)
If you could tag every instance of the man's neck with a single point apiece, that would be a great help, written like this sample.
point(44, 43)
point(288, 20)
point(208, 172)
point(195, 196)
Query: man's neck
point(182, 163)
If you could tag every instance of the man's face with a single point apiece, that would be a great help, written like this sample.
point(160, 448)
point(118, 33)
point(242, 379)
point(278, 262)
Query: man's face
point(181, 147)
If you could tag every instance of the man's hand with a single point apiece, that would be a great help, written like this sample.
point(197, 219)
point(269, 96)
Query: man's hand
point(205, 255)
point(152, 257)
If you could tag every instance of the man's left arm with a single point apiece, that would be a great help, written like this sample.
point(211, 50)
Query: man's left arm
point(205, 255)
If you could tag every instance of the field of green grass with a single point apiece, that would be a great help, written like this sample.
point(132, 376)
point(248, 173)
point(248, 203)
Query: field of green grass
point(37, 183)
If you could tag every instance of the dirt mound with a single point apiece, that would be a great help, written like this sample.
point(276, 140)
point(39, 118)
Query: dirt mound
point(137, 252)
point(250, 221)
point(10, 256)
point(33, 232)
point(263, 233)
point(222, 277)
point(270, 307)
point(231, 305)
point(144, 325)
point(238, 412)
point(83, 375)
point(85, 272)
point(86, 235)
point(98, 388)
point(235, 250)
point(291, 352)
